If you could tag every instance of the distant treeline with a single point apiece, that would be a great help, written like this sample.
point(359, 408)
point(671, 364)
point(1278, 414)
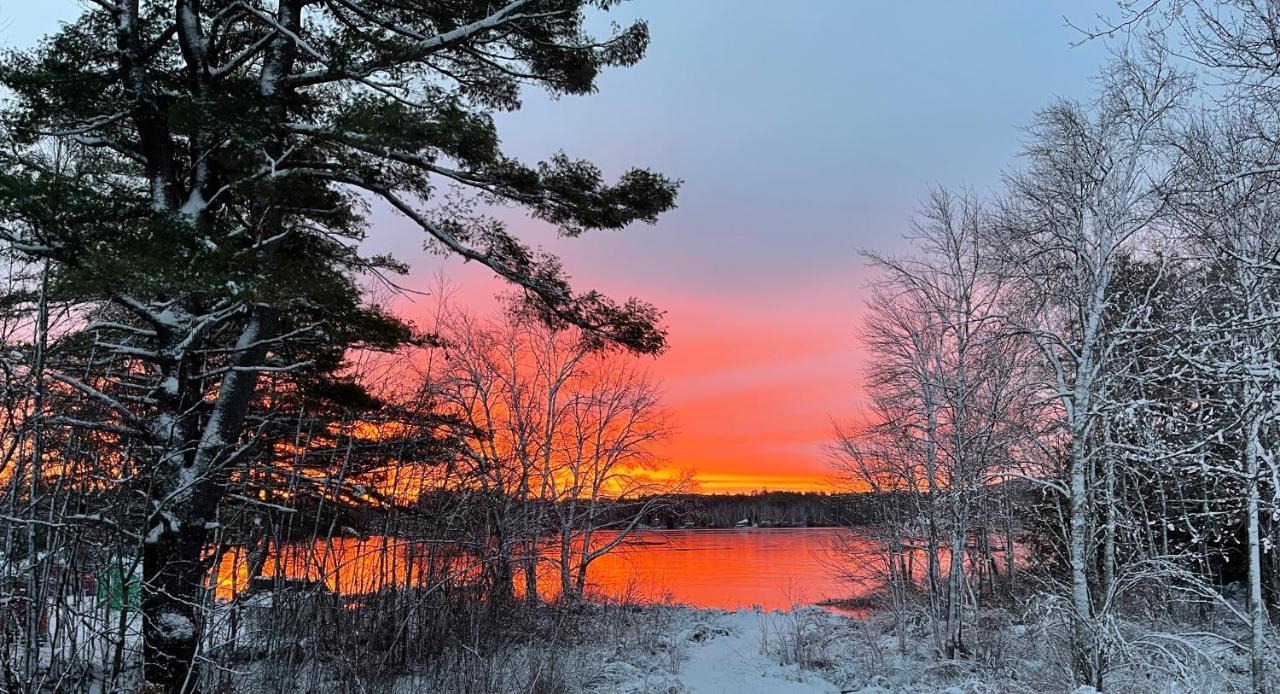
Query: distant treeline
point(765, 509)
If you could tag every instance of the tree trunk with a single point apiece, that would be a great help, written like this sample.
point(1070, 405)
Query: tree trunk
point(531, 573)
point(172, 581)
point(1109, 538)
point(188, 482)
point(1257, 611)
point(1010, 558)
point(955, 579)
point(933, 567)
point(584, 559)
point(566, 573)
point(1085, 662)
point(36, 586)
point(502, 592)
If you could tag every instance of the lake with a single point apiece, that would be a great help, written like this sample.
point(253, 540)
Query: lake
point(773, 568)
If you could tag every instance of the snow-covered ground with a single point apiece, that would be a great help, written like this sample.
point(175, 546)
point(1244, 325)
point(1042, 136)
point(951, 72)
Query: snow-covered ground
point(717, 652)
point(681, 650)
point(804, 651)
point(673, 649)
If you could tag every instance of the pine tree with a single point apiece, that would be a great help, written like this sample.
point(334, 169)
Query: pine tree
point(198, 173)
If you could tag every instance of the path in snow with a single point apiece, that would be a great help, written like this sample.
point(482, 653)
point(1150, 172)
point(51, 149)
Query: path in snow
point(725, 656)
point(723, 653)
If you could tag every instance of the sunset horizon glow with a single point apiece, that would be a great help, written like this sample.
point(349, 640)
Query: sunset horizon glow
point(758, 269)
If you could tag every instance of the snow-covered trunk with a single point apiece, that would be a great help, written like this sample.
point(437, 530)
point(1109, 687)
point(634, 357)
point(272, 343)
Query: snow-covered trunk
point(187, 484)
point(1109, 503)
point(190, 451)
point(172, 582)
point(1083, 649)
point(899, 579)
point(1257, 610)
point(933, 567)
point(958, 315)
point(1010, 559)
point(1085, 655)
point(1260, 358)
point(955, 580)
point(958, 481)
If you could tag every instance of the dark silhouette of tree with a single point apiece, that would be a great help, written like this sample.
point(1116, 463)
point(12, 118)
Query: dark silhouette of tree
point(197, 175)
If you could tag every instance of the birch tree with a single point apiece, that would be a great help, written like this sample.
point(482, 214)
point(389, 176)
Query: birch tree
point(948, 383)
point(1090, 189)
point(1228, 210)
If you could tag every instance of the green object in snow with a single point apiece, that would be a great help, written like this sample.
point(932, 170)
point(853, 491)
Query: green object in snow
point(117, 590)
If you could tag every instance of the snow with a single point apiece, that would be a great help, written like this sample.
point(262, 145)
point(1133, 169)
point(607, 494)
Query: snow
point(192, 209)
point(165, 522)
point(733, 659)
point(682, 650)
point(155, 533)
point(175, 626)
point(666, 649)
point(169, 317)
point(808, 650)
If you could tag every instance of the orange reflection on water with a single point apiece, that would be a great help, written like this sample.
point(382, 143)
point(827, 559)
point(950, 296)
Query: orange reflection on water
point(726, 569)
point(705, 568)
point(723, 569)
point(350, 566)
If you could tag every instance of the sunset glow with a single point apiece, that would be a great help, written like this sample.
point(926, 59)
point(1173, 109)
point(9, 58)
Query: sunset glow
point(582, 346)
point(758, 268)
point(752, 396)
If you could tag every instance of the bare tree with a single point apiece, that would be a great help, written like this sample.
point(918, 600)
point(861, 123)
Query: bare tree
point(1230, 218)
point(606, 480)
point(561, 443)
point(1090, 190)
point(949, 385)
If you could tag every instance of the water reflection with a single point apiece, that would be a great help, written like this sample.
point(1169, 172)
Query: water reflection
point(350, 566)
point(728, 569)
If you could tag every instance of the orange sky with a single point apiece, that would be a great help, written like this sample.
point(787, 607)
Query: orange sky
point(752, 390)
point(792, 158)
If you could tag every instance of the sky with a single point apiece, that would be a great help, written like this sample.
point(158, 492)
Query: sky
point(803, 131)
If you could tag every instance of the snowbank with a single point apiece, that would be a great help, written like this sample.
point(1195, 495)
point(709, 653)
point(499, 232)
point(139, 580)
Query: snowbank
point(680, 650)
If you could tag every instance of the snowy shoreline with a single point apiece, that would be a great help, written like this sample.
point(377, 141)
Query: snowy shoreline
point(635, 648)
point(672, 649)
